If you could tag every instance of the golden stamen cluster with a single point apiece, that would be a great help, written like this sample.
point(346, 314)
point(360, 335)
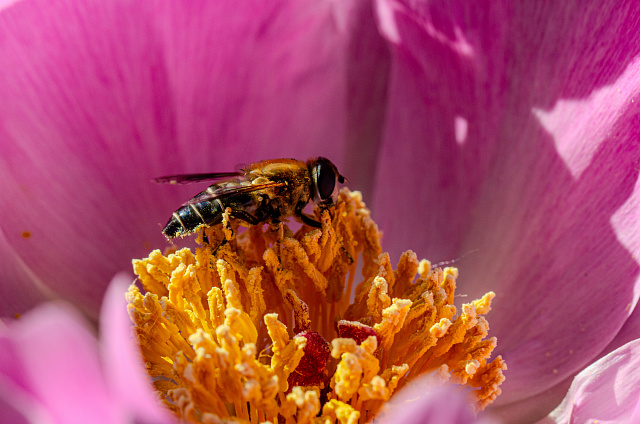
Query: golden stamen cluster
point(259, 326)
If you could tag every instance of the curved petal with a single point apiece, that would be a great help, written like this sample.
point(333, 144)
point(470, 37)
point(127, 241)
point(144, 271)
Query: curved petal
point(521, 132)
point(532, 408)
point(421, 402)
point(124, 369)
point(18, 406)
point(99, 97)
point(625, 224)
point(608, 391)
point(53, 361)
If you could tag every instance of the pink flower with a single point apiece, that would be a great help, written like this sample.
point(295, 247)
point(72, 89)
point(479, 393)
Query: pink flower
point(54, 371)
point(507, 133)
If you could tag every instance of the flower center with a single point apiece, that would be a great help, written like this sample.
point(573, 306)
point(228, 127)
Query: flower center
point(264, 326)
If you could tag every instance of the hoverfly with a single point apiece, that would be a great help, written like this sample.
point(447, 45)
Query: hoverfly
point(265, 191)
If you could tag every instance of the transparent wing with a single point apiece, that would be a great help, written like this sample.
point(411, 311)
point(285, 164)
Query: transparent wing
point(222, 192)
point(194, 178)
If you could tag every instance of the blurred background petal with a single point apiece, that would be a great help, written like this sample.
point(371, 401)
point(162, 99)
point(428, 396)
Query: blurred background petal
point(50, 359)
point(607, 391)
point(421, 402)
point(124, 368)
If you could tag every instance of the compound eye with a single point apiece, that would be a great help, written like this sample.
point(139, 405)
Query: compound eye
point(325, 180)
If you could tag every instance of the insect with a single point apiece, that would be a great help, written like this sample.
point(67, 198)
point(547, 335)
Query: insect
point(265, 191)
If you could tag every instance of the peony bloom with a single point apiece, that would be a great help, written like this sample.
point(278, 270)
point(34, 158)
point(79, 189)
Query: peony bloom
point(273, 325)
point(501, 133)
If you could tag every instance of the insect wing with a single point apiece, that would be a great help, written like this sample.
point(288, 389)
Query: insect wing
point(223, 192)
point(194, 178)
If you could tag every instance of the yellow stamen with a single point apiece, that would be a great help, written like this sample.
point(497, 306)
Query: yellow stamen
point(242, 330)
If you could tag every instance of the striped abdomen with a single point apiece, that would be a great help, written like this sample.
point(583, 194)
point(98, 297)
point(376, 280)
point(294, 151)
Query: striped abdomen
point(189, 217)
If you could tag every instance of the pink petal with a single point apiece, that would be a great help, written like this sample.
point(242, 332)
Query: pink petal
point(17, 404)
point(75, 143)
point(6, 3)
point(10, 411)
point(534, 407)
point(608, 391)
point(421, 402)
point(521, 132)
point(123, 363)
point(54, 363)
point(21, 289)
point(367, 72)
point(627, 231)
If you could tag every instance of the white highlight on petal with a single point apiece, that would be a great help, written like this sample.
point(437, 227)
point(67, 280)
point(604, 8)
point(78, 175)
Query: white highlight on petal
point(386, 11)
point(460, 44)
point(460, 129)
point(625, 226)
point(6, 3)
point(578, 127)
point(386, 21)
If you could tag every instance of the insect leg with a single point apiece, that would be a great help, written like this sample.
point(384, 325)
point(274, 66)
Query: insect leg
point(222, 243)
point(245, 216)
point(308, 220)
